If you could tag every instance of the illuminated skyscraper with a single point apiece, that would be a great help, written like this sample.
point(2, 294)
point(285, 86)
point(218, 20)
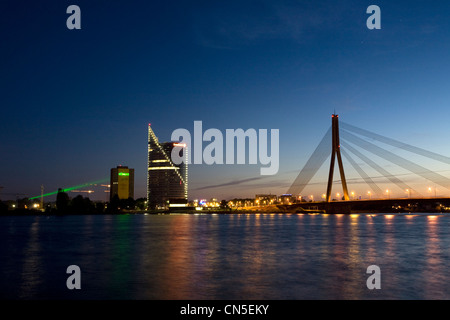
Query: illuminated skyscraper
point(122, 183)
point(166, 181)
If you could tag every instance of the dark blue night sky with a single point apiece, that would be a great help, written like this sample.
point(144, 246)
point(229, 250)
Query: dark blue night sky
point(75, 103)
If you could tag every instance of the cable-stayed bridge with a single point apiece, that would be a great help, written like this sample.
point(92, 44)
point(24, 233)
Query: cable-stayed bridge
point(361, 148)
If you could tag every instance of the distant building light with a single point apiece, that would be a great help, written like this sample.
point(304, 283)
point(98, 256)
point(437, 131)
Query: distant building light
point(177, 205)
point(124, 173)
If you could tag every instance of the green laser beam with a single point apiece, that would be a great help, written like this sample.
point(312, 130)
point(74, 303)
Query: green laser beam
point(70, 188)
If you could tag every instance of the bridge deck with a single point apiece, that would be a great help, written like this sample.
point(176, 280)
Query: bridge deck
point(378, 205)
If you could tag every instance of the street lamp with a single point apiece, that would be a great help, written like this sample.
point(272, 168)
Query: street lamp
point(387, 191)
point(370, 195)
point(353, 195)
point(338, 196)
point(409, 193)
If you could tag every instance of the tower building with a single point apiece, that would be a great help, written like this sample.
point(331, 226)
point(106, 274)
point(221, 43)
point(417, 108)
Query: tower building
point(122, 183)
point(166, 181)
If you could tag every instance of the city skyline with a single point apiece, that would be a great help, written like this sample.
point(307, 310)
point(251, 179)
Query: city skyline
point(77, 102)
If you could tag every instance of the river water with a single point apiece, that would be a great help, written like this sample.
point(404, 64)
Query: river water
point(229, 256)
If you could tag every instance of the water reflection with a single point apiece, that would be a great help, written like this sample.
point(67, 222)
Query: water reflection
point(120, 255)
point(176, 275)
point(31, 273)
point(248, 256)
point(434, 270)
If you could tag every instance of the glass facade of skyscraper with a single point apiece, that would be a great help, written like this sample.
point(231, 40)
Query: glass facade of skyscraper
point(166, 181)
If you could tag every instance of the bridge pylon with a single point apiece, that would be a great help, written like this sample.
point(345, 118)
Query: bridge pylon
point(336, 153)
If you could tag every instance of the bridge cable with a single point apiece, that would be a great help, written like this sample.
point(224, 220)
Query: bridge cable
point(363, 174)
point(401, 162)
point(395, 143)
point(315, 161)
point(399, 183)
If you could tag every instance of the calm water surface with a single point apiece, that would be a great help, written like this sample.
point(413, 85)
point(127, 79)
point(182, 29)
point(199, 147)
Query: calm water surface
point(242, 256)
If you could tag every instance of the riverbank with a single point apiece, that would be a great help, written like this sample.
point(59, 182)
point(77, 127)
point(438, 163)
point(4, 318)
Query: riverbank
point(256, 210)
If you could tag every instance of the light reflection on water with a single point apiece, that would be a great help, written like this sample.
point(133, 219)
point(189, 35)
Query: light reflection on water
point(241, 256)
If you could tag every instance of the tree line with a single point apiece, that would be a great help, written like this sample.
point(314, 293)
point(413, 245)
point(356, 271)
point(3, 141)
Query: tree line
point(78, 205)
